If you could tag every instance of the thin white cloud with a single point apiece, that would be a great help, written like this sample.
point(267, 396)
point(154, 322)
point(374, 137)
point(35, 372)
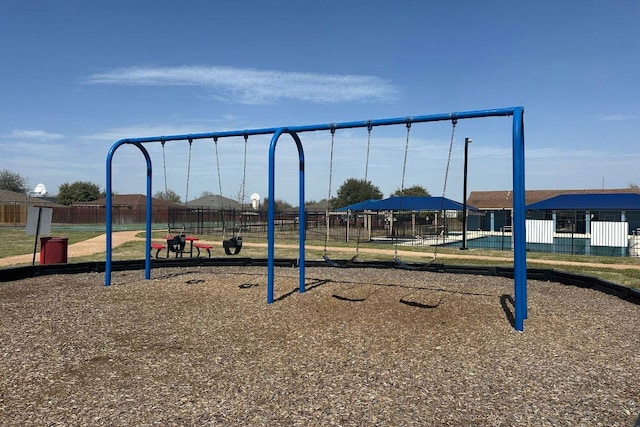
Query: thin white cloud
point(35, 134)
point(251, 86)
point(618, 117)
point(563, 154)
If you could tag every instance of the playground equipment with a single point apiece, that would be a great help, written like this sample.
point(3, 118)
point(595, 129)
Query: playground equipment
point(233, 246)
point(520, 269)
point(365, 180)
point(398, 261)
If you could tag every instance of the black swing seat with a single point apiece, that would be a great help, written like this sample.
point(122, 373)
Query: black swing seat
point(176, 245)
point(331, 262)
point(340, 263)
point(234, 243)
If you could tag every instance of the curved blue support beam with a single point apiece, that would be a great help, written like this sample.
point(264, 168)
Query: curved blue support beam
point(302, 220)
point(109, 209)
point(272, 213)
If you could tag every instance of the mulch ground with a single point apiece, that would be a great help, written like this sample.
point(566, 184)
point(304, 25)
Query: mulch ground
point(200, 346)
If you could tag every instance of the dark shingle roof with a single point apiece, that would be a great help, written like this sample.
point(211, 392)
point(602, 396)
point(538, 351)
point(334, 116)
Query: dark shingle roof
point(214, 201)
point(126, 200)
point(22, 198)
point(11, 196)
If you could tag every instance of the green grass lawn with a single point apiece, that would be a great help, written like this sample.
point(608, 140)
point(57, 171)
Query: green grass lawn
point(16, 242)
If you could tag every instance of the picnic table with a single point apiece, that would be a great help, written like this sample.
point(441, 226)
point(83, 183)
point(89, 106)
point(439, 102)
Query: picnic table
point(177, 245)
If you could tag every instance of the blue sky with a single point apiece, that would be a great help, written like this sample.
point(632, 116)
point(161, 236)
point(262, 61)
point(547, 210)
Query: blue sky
point(77, 76)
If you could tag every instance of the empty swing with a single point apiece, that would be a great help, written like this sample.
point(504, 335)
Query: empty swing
point(233, 245)
point(396, 259)
point(327, 213)
point(327, 220)
point(365, 181)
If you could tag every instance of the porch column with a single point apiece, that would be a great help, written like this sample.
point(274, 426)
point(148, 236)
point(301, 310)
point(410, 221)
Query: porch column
point(587, 230)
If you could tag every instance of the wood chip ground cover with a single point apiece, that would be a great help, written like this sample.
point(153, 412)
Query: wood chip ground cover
point(200, 346)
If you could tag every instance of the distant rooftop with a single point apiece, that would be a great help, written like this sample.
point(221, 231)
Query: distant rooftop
point(504, 199)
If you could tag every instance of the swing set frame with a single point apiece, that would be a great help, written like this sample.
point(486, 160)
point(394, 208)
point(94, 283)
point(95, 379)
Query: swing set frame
point(520, 266)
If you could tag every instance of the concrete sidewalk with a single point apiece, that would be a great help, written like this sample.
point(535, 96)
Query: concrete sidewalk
point(86, 247)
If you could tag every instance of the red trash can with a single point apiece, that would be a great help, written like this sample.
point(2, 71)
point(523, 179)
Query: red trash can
point(53, 250)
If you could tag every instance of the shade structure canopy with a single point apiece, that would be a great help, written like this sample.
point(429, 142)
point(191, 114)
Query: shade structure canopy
point(406, 203)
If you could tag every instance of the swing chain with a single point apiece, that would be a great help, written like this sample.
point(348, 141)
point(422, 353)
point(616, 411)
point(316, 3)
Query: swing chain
point(186, 196)
point(333, 134)
point(327, 220)
point(244, 182)
point(404, 169)
point(215, 142)
point(366, 163)
point(406, 152)
point(164, 165)
point(366, 180)
point(454, 122)
point(244, 169)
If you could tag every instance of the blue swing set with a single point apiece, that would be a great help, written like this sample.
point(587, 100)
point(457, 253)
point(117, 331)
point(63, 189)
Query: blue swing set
point(520, 268)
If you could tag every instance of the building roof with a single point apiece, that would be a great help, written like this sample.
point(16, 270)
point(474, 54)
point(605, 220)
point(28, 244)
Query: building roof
point(12, 196)
point(322, 205)
point(7, 196)
point(408, 203)
point(594, 202)
point(488, 200)
point(126, 200)
point(214, 201)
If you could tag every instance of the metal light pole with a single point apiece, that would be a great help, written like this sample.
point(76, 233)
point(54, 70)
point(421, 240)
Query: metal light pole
point(467, 141)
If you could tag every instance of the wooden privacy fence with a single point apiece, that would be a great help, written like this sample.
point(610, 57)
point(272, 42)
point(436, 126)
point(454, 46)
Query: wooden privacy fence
point(13, 214)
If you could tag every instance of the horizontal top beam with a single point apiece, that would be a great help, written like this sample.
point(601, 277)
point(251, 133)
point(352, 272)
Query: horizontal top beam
point(328, 126)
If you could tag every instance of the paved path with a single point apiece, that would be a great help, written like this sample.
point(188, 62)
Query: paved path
point(429, 256)
point(86, 247)
point(97, 245)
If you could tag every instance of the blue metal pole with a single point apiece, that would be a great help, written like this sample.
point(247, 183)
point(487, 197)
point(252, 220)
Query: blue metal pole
point(108, 216)
point(147, 260)
point(301, 211)
point(523, 271)
point(109, 209)
point(328, 126)
point(271, 220)
point(519, 222)
point(271, 216)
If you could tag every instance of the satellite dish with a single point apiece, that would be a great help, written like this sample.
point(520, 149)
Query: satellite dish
point(255, 200)
point(40, 190)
